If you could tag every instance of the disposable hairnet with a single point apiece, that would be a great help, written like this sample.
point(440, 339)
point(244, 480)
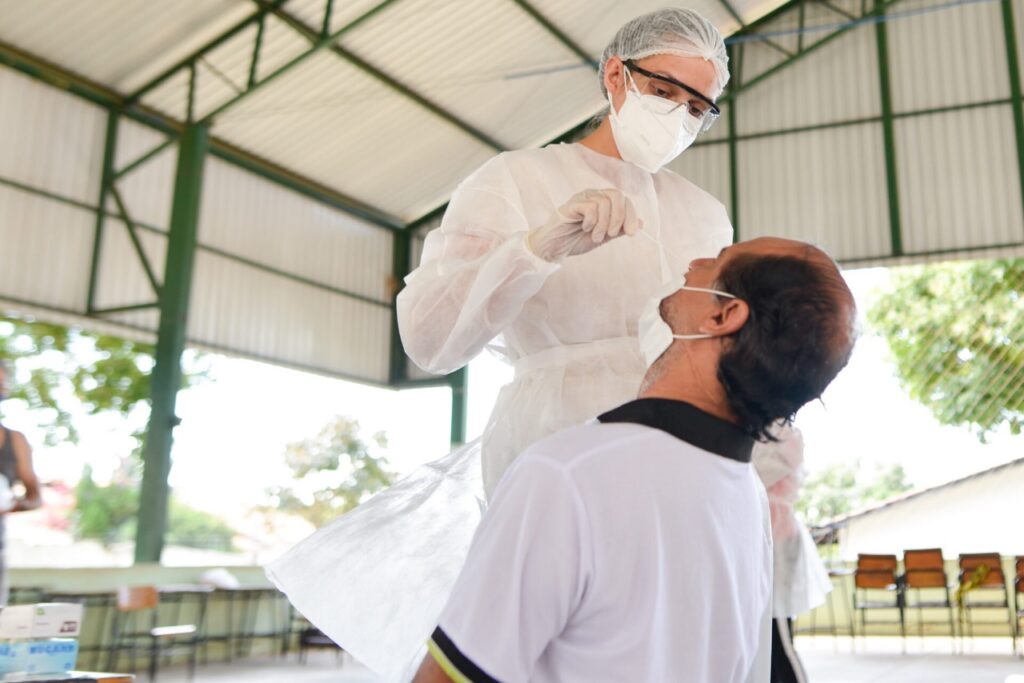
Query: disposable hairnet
point(672, 31)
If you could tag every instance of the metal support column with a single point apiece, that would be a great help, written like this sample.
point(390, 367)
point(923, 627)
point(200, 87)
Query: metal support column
point(1016, 96)
point(460, 393)
point(734, 168)
point(401, 246)
point(888, 133)
point(166, 378)
point(106, 179)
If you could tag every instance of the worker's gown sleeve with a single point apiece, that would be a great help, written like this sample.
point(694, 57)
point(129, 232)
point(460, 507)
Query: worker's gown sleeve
point(801, 581)
point(476, 274)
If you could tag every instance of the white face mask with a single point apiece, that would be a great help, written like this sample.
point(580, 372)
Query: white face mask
point(655, 334)
point(647, 132)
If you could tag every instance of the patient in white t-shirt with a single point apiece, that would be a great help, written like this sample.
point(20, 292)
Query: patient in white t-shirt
point(637, 547)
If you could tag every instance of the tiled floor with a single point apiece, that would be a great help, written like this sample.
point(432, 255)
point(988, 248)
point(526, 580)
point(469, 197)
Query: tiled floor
point(827, 660)
point(931, 660)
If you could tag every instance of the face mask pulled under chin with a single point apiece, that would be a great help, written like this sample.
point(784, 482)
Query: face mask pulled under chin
point(655, 334)
point(646, 134)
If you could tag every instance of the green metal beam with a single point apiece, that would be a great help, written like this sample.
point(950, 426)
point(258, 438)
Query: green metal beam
point(128, 168)
point(166, 376)
point(257, 47)
point(888, 133)
point(322, 42)
point(802, 22)
point(739, 19)
point(844, 123)
point(195, 56)
point(133, 235)
point(459, 381)
point(841, 12)
point(111, 100)
point(314, 38)
point(325, 26)
point(106, 178)
point(129, 308)
point(734, 164)
point(557, 33)
point(1017, 99)
point(878, 10)
point(400, 259)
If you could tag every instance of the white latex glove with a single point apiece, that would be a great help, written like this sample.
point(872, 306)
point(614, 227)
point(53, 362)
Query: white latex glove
point(585, 222)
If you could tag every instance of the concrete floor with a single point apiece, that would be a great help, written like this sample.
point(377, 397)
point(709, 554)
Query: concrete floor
point(930, 660)
point(828, 660)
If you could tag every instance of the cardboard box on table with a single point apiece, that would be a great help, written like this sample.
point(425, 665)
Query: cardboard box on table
point(50, 656)
point(39, 639)
point(42, 620)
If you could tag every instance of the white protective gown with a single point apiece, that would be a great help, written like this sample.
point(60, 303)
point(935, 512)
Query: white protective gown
point(801, 582)
point(376, 579)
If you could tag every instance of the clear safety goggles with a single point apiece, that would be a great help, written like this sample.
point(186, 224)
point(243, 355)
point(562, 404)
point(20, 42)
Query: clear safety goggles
point(698, 105)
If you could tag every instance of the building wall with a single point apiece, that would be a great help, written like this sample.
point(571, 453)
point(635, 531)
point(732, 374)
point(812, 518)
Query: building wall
point(977, 515)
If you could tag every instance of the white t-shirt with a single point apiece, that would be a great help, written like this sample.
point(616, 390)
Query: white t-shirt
point(633, 549)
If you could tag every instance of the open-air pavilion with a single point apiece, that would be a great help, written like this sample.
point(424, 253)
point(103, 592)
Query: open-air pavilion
point(256, 177)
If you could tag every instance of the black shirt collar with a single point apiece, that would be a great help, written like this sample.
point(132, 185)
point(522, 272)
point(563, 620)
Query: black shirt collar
point(687, 423)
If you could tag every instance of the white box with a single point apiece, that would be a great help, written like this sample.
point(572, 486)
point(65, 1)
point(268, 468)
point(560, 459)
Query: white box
point(51, 656)
point(42, 620)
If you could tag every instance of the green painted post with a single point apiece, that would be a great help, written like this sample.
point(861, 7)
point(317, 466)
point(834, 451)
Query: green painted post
point(460, 394)
point(166, 377)
point(106, 179)
point(734, 172)
point(888, 133)
point(400, 246)
point(1016, 97)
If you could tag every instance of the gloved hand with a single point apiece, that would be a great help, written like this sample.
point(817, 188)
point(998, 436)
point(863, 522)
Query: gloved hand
point(585, 222)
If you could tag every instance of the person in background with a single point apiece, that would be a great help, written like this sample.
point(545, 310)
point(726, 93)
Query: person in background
point(801, 581)
point(15, 467)
point(638, 547)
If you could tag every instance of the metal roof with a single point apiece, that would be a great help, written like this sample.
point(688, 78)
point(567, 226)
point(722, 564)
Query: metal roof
point(389, 102)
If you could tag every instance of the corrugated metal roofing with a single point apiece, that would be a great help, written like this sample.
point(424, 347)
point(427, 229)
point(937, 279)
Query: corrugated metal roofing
point(489, 63)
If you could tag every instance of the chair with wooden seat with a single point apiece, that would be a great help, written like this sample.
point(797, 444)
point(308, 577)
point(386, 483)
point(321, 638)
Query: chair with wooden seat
point(926, 586)
point(982, 586)
point(876, 586)
point(136, 627)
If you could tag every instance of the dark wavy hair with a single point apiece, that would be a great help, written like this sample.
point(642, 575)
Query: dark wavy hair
point(798, 336)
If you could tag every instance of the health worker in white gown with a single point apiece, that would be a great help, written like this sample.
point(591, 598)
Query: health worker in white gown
point(546, 256)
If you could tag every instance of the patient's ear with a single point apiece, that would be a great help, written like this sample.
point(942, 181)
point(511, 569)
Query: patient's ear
point(728, 319)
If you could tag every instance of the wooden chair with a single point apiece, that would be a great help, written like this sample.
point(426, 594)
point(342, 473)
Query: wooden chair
point(983, 586)
point(876, 574)
point(142, 604)
point(925, 571)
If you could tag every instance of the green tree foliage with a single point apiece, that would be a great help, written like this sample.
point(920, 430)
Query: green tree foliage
point(108, 514)
point(104, 513)
point(61, 371)
point(842, 487)
point(955, 331)
point(333, 472)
